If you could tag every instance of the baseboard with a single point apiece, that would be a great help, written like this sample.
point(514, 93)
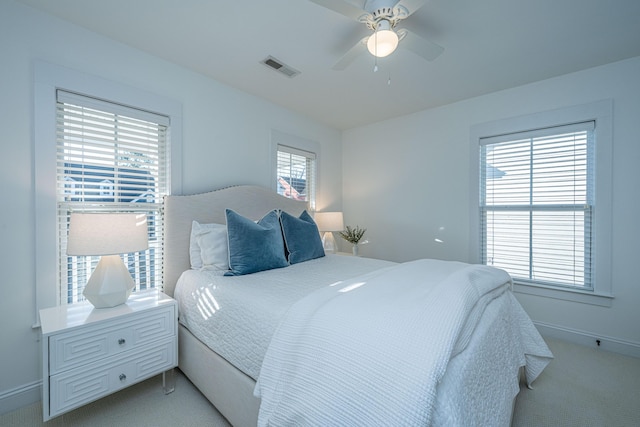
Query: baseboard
point(19, 397)
point(589, 339)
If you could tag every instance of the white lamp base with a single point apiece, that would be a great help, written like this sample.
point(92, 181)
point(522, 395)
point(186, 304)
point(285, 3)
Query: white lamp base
point(110, 284)
point(328, 242)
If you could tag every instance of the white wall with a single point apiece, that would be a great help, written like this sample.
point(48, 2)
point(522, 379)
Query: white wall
point(405, 178)
point(219, 124)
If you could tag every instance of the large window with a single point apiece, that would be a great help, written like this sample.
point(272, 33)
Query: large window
point(109, 158)
point(537, 203)
point(542, 210)
point(296, 172)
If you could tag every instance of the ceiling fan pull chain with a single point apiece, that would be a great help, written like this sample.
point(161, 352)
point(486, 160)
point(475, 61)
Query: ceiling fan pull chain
point(375, 61)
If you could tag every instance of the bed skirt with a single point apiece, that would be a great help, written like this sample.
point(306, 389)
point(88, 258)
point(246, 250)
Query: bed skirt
point(230, 390)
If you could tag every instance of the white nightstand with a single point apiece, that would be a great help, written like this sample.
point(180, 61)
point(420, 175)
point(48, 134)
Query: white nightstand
point(89, 353)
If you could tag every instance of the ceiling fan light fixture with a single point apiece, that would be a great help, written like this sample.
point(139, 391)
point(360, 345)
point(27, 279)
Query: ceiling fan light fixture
point(383, 41)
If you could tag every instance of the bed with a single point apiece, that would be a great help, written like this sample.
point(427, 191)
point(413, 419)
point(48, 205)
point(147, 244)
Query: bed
point(290, 346)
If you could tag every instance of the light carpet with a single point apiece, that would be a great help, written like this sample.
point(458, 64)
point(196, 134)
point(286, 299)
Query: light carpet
point(581, 387)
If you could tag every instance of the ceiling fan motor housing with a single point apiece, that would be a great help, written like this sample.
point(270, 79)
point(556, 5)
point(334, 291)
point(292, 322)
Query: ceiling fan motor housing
point(392, 15)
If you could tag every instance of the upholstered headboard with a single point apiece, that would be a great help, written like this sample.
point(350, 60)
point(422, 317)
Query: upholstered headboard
point(179, 212)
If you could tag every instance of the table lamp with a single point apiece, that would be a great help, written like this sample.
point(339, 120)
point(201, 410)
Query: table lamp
point(328, 222)
point(108, 235)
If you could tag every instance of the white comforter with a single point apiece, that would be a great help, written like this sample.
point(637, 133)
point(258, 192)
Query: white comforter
point(371, 351)
point(236, 316)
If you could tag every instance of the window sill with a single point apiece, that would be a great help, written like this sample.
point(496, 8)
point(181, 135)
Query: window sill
point(574, 295)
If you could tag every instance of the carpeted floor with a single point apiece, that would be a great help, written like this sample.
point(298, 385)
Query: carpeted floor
point(581, 387)
point(141, 405)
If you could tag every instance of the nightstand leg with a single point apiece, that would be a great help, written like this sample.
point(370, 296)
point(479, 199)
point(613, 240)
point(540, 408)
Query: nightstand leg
point(168, 381)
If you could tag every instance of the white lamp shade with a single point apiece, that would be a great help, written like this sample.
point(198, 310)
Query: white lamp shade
point(107, 233)
point(329, 221)
point(383, 41)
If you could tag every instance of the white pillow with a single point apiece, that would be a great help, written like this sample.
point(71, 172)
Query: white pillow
point(208, 248)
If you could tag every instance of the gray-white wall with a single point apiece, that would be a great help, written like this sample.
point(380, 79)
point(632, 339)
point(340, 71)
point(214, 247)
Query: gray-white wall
point(406, 178)
point(226, 140)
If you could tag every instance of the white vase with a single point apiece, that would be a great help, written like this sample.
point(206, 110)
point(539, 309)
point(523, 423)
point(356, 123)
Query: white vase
point(355, 249)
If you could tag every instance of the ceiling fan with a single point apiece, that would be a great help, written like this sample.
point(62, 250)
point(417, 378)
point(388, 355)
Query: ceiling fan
point(381, 17)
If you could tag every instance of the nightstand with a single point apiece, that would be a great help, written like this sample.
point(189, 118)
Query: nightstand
point(89, 353)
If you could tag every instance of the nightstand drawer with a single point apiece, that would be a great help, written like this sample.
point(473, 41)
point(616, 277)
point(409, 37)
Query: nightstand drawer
point(79, 386)
point(73, 349)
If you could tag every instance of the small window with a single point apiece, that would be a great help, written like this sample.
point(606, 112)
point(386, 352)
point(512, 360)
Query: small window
point(296, 174)
point(537, 204)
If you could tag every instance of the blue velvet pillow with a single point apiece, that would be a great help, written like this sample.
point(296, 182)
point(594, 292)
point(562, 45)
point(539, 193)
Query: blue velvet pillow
point(301, 237)
point(254, 246)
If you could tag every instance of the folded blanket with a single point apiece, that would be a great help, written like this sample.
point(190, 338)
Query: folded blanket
point(371, 350)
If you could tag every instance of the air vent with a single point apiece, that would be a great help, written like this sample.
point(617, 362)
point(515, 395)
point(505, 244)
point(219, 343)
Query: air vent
point(279, 66)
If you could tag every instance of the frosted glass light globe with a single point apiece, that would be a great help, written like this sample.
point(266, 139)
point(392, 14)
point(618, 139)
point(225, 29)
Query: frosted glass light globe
point(383, 41)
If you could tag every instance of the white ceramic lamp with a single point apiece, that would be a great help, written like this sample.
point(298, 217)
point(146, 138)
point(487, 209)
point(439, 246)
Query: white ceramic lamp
point(108, 235)
point(328, 222)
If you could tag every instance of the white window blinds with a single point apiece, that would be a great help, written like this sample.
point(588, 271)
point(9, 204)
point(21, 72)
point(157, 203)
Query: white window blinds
point(536, 204)
point(296, 174)
point(110, 158)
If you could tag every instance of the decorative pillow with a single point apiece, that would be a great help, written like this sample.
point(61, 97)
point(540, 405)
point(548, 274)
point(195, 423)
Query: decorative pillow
point(301, 237)
point(214, 248)
point(254, 246)
point(208, 237)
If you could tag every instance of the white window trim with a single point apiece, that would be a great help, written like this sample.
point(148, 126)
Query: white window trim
point(281, 138)
point(602, 113)
point(48, 78)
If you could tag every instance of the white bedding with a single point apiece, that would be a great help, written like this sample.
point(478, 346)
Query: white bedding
point(236, 316)
point(504, 340)
point(372, 350)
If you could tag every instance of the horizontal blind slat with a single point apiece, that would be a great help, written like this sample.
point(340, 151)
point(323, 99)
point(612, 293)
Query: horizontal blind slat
point(71, 98)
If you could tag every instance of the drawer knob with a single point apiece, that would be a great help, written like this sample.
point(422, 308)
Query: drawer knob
point(123, 377)
point(121, 341)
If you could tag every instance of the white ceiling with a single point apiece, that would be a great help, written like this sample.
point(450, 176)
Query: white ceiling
point(489, 45)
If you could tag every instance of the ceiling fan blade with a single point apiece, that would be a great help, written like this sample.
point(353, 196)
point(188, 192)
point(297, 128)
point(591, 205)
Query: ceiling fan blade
point(341, 7)
point(411, 5)
point(421, 47)
point(357, 50)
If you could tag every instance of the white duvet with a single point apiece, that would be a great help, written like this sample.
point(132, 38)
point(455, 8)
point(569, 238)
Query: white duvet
point(236, 316)
point(372, 350)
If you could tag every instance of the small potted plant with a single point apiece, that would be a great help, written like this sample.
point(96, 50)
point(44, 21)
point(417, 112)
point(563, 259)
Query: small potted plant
point(353, 235)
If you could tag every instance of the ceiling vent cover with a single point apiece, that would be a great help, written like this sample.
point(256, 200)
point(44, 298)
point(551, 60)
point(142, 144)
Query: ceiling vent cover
point(279, 66)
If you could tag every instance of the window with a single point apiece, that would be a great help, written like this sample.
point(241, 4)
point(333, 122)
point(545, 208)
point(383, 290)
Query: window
point(543, 209)
point(537, 203)
point(296, 174)
point(109, 158)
